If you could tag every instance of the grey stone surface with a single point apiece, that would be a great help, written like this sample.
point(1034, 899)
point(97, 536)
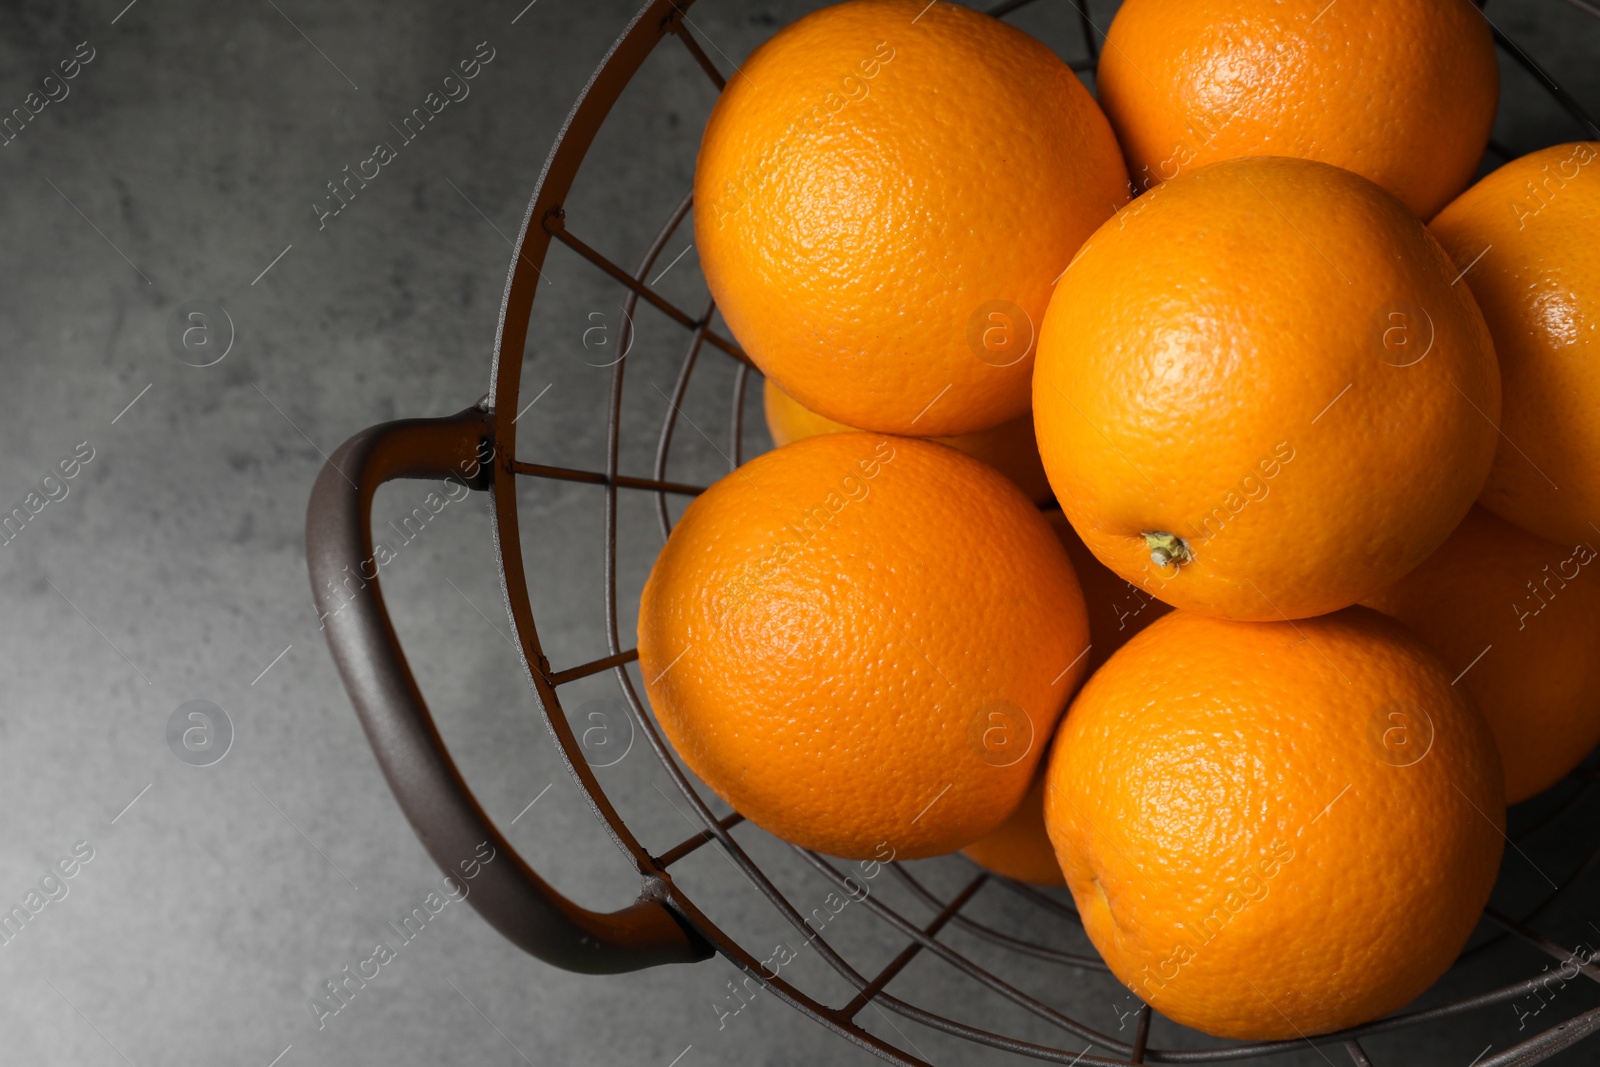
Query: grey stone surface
point(183, 166)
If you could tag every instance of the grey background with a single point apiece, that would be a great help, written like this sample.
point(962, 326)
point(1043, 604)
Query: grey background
point(186, 157)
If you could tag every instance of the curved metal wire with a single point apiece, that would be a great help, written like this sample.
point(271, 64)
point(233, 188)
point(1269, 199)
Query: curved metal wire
point(920, 937)
point(989, 933)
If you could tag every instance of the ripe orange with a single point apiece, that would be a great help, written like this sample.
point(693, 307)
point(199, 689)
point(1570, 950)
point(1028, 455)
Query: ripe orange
point(1276, 829)
point(1258, 395)
point(1117, 610)
point(1527, 239)
point(1519, 618)
point(884, 196)
point(1009, 448)
point(859, 640)
point(1400, 91)
point(1019, 848)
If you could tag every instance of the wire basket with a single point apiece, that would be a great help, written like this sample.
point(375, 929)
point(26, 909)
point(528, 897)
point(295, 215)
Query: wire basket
point(932, 916)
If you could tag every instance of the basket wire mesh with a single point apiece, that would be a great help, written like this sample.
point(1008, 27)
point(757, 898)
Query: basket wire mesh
point(1082, 1043)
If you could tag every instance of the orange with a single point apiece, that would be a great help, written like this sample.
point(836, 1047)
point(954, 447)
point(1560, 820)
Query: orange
point(1400, 91)
point(862, 641)
point(1279, 829)
point(1258, 395)
point(1020, 848)
point(1117, 608)
point(1009, 448)
point(1517, 619)
point(1527, 239)
point(885, 194)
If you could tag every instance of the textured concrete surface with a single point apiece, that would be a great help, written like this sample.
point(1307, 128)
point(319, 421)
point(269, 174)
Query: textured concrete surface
point(185, 163)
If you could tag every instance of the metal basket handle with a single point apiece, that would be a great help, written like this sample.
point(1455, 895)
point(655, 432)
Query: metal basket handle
point(435, 798)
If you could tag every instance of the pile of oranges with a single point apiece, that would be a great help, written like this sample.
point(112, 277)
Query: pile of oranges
point(1187, 496)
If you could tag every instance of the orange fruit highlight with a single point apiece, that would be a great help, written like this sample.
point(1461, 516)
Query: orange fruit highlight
point(1518, 619)
point(1258, 395)
point(1273, 830)
point(860, 640)
point(1402, 92)
point(1020, 848)
point(1527, 240)
point(883, 199)
point(1009, 448)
